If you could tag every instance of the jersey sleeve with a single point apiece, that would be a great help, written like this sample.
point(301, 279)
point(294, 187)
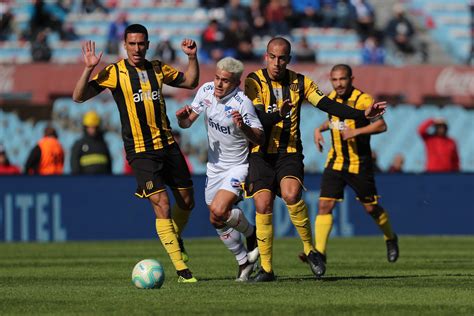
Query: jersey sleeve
point(249, 115)
point(171, 76)
point(312, 92)
point(199, 103)
point(106, 78)
point(253, 91)
point(365, 101)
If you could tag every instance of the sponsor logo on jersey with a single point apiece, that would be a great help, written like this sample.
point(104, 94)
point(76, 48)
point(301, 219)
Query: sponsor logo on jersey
point(208, 88)
point(339, 125)
point(146, 95)
point(218, 127)
point(228, 111)
point(235, 183)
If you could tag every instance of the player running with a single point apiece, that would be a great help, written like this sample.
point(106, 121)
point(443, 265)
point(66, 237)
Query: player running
point(231, 122)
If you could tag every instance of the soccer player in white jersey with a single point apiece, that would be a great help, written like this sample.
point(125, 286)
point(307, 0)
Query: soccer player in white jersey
point(231, 122)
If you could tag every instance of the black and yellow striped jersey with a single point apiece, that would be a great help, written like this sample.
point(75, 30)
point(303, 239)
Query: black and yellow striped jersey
point(349, 155)
point(285, 136)
point(139, 98)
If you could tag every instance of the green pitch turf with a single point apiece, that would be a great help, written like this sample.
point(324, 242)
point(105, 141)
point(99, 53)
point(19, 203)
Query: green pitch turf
point(434, 275)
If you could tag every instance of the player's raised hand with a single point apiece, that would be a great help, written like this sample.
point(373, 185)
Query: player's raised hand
point(183, 113)
point(88, 51)
point(377, 109)
point(286, 108)
point(189, 47)
point(237, 119)
point(318, 139)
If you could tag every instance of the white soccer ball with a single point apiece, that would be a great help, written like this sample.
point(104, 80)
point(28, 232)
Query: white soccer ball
point(148, 274)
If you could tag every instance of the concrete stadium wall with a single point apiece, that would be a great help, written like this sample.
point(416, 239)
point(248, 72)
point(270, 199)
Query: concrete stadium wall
point(96, 208)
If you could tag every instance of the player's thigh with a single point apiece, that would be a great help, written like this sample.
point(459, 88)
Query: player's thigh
point(290, 166)
point(176, 172)
point(332, 185)
point(363, 185)
point(229, 181)
point(148, 170)
point(261, 175)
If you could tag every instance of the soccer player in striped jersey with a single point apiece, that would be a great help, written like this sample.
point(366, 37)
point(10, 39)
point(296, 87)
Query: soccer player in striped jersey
point(276, 167)
point(231, 123)
point(349, 162)
point(136, 85)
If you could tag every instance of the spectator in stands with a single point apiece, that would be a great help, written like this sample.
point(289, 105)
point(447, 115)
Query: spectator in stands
point(306, 11)
point(397, 164)
point(6, 21)
point(441, 150)
point(40, 49)
point(116, 32)
point(372, 52)
point(212, 4)
point(258, 22)
point(47, 157)
point(69, 32)
point(165, 51)
point(44, 16)
point(178, 140)
point(470, 59)
point(93, 6)
point(211, 40)
point(90, 154)
point(6, 168)
point(303, 52)
point(401, 31)
point(235, 33)
point(234, 10)
point(364, 18)
point(275, 15)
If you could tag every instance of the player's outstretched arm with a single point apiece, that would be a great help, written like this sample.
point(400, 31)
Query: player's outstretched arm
point(83, 91)
point(376, 110)
point(376, 127)
point(318, 136)
point(186, 116)
point(191, 76)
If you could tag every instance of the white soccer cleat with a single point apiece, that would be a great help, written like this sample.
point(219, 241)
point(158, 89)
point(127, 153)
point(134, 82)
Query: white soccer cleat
point(245, 270)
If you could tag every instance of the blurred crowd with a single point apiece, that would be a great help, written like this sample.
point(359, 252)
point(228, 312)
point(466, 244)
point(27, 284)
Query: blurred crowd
point(232, 28)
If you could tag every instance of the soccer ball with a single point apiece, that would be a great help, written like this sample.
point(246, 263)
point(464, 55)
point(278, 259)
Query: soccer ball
point(148, 274)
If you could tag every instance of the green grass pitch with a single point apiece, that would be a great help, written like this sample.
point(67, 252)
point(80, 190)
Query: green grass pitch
point(434, 275)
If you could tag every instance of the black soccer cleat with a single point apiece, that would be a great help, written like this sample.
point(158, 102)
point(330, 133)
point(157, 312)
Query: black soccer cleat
point(252, 240)
point(264, 276)
point(185, 276)
point(184, 254)
point(392, 249)
point(317, 263)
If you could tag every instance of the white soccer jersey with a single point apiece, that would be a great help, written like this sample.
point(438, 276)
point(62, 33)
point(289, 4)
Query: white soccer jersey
point(228, 145)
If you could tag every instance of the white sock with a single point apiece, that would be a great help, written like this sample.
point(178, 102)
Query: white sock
point(238, 221)
point(233, 241)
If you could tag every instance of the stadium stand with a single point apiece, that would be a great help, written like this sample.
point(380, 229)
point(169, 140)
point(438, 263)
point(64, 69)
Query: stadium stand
point(401, 137)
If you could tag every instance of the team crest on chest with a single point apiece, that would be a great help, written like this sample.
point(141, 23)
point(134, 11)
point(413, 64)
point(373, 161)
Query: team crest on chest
point(294, 87)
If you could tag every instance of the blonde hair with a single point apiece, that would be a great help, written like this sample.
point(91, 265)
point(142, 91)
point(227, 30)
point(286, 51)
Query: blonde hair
point(232, 65)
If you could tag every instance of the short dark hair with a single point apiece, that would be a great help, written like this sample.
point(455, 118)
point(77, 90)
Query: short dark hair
point(135, 28)
point(280, 40)
point(345, 67)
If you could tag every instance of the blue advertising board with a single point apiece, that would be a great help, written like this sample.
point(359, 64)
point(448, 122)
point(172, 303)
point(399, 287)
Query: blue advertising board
point(61, 208)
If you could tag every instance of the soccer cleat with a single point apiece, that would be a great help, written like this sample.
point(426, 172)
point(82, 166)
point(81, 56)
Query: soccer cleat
point(303, 258)
point(252, 240)
point(184, 255)
point(317, 263)
point(264, 276)
point(185, 276)
point(245, 270)
point(392, 249)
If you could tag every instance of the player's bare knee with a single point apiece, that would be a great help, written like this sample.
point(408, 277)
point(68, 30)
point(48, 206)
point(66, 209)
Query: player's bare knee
point(325, 206)
point(291, 199)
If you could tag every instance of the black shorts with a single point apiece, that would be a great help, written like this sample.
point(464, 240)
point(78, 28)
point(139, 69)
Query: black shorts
point(267, 170)
point(155, 169)
point(363, 184)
